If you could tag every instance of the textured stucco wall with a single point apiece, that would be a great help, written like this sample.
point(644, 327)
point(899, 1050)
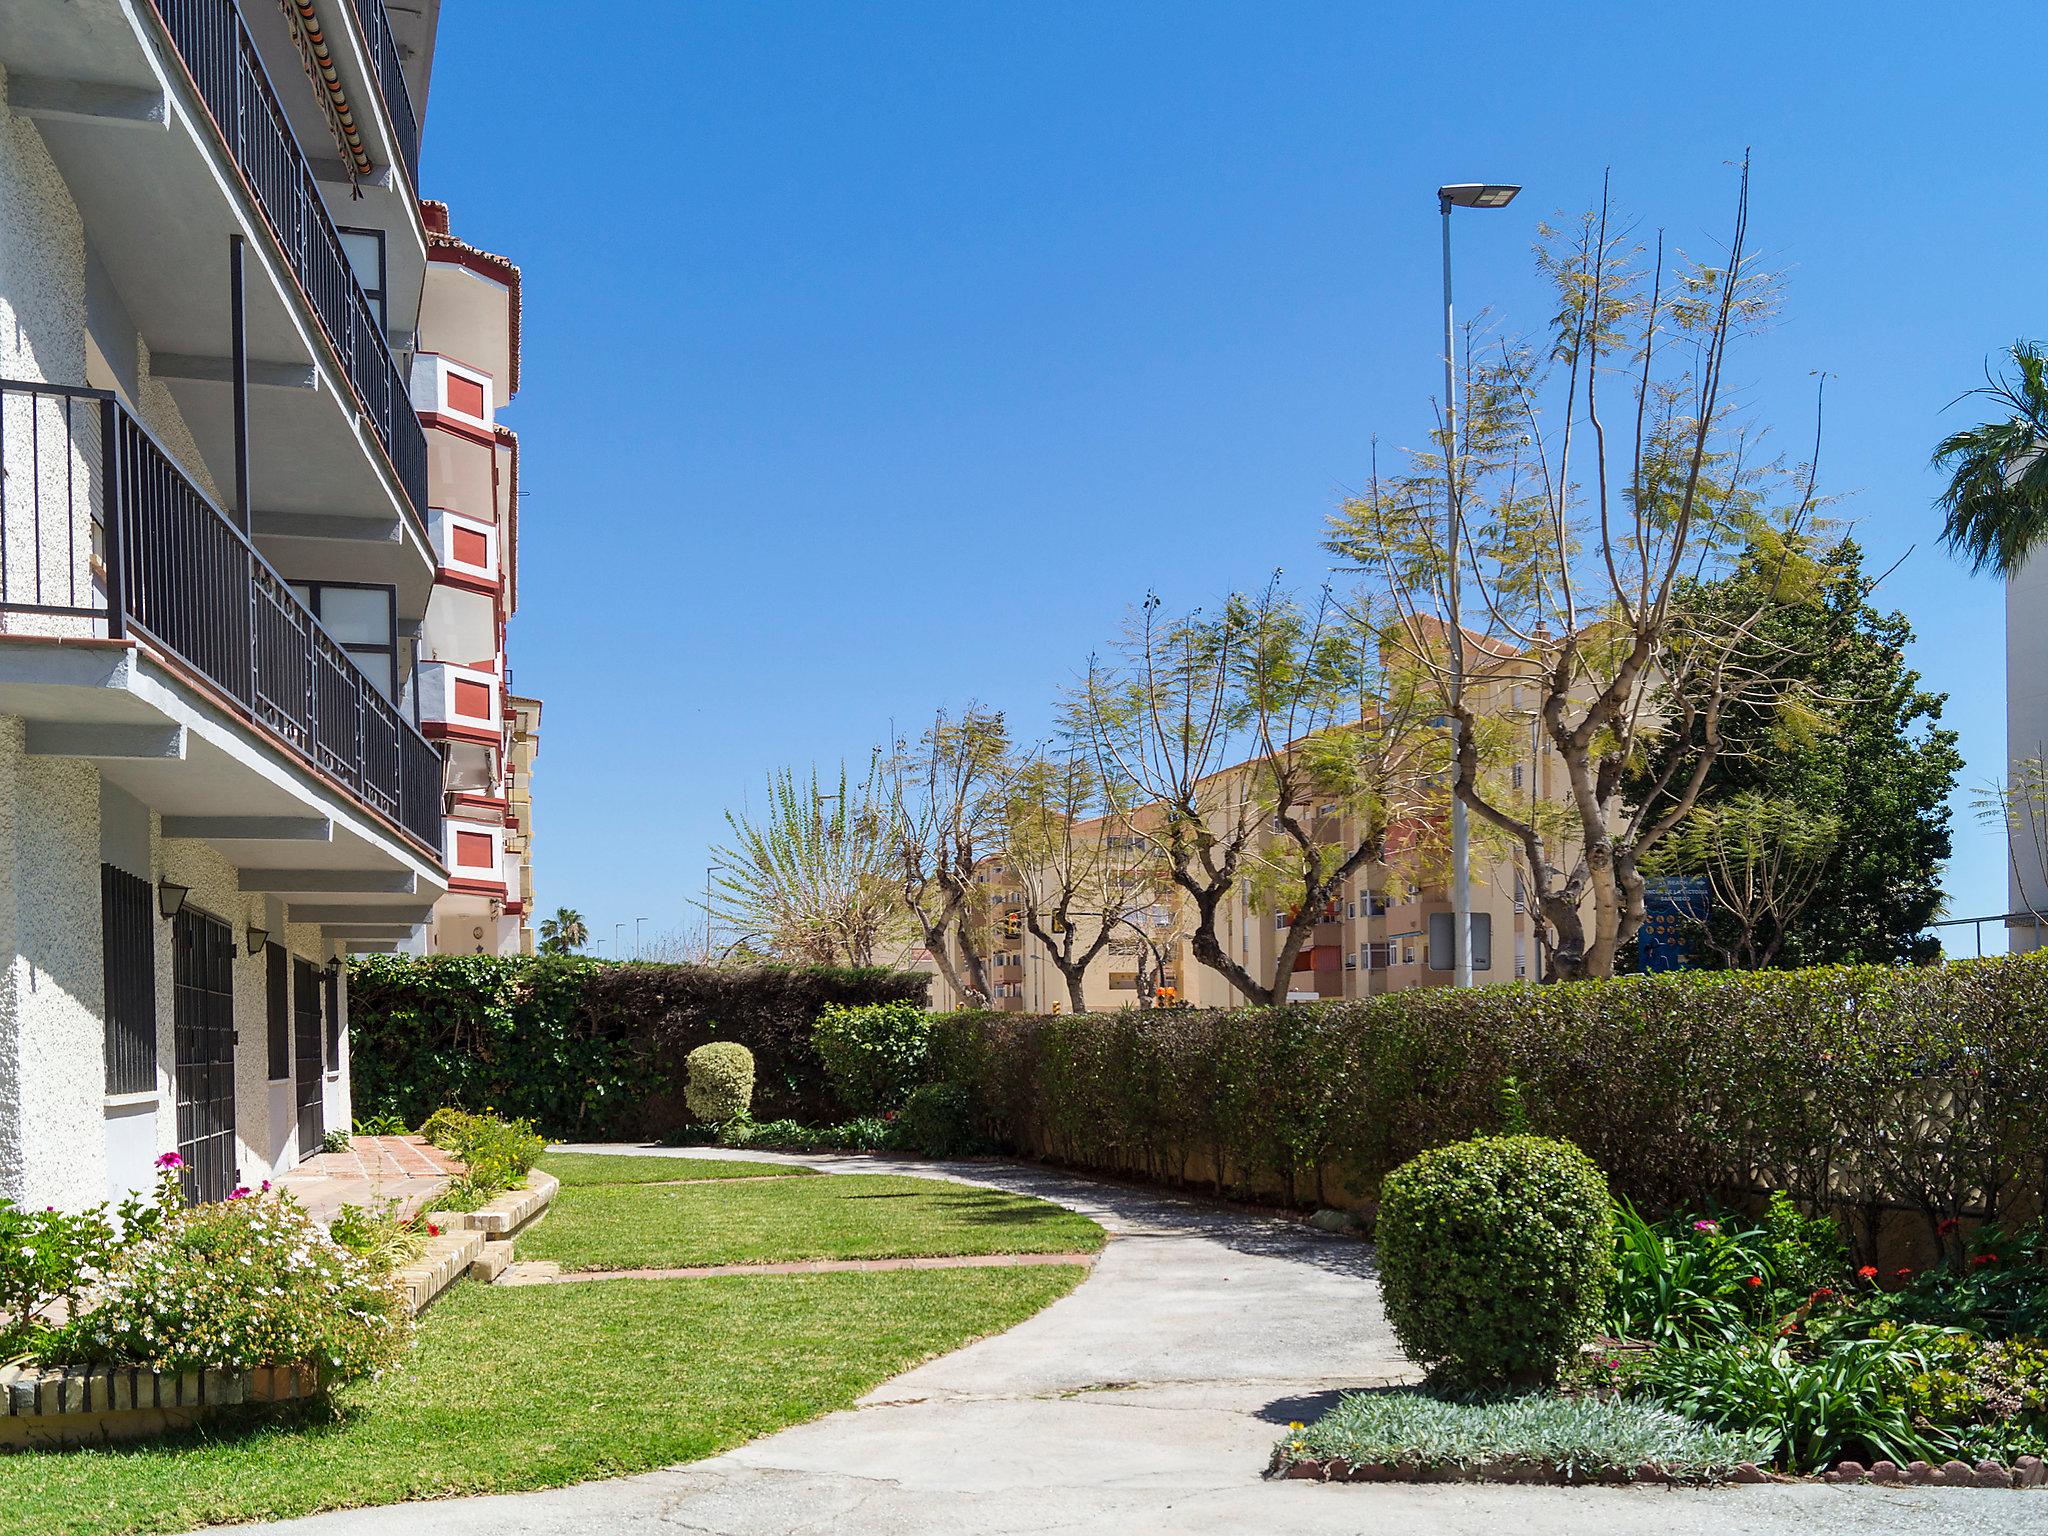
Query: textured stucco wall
point(52, 1075)
point(42, 260)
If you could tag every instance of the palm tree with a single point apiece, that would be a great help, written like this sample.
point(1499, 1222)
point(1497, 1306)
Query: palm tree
point(563, 932)
point(1996, 503)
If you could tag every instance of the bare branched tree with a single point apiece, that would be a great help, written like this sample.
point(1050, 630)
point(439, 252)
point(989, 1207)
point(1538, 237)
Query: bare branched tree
point(1269, 747)
point(946, 796)
point(1544, 555)
point(1082, 870)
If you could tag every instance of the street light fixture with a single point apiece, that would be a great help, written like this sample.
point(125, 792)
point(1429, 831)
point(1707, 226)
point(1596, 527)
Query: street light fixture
point(1468, 194)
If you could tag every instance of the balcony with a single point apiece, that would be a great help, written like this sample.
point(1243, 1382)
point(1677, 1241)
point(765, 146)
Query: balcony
point(383, 50)
point(222, 58)
point(103, 535)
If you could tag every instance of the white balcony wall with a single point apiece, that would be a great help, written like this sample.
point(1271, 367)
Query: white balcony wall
point(461, 628)
point(464, 546)
point(463, 697)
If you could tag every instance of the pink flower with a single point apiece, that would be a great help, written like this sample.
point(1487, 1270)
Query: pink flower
point(1706, 1226)
point(266, 1186)
point(239, 1192)
point(169, 1161)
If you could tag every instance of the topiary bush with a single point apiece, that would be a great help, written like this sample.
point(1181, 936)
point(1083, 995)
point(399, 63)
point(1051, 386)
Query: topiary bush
point(873, 1055)
point(938, 1120)
point(720, 1085)
point(1495, 1256)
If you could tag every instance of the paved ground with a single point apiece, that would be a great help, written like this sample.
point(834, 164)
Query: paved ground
point(369, 1171)
point(1146, 1401)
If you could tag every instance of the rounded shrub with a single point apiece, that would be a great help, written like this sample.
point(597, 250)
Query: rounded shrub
point(874, 1055)
point(719, 1088)
point(1495, 1256)
point(938, 1120)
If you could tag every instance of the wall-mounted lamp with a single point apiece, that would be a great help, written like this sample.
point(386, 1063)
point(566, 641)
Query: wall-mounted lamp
point(170, 897)
point(258, 937)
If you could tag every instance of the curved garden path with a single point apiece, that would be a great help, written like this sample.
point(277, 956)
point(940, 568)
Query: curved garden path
point(1146, 1401)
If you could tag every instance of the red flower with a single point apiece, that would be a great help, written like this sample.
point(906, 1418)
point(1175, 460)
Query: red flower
point(1868, 1272)
point(1822, 1294)
point(1754, 1281)
point(1982, 1259)
point(1946, 1225)
point(432, 1230)
point(1903, 1274)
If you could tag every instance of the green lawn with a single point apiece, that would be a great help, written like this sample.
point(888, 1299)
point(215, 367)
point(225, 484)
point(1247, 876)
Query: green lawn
point(577, 1168)
point(541, 1386)
point(845, 1216)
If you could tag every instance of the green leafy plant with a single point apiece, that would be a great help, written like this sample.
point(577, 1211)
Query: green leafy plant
point(49, 1258)
point(720, 1086)
point(336, 1140)
point(1693, 1279)
point(1577, 1436)
point(938, 1120)
point(495, 1153)
point(869, 1133)
point(874, 1055)
point(379, 1125)
point(1495, 1257)
point(380, 1235)
point(1851, 1399)
point(249, 1281)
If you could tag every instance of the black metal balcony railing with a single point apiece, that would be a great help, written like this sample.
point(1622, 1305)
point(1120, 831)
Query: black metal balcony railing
point(405, 122)
point(222, 58)
point(99, 523)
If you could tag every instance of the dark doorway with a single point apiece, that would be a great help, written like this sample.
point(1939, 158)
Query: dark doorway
point(203, 1027)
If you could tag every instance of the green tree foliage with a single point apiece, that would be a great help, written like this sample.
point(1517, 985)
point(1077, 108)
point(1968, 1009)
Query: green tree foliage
point(1856, 743)
point(1996, 502)
point(564, 933)
point(1542, 549)
point(814, 885)
point(875, 1055)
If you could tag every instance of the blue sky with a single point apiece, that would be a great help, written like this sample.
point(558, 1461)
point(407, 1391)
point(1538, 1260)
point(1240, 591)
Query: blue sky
point(878, 356)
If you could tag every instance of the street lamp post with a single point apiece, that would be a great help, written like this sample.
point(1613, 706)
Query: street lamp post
point(1461, 195)
point(637, 950)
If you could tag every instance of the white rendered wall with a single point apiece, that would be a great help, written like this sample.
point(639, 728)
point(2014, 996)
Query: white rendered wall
point(52, 1076)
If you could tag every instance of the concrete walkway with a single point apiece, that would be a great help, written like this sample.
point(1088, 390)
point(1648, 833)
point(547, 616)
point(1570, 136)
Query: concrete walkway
point(1145, 1401)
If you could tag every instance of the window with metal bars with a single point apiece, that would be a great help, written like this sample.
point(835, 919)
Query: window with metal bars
point(278, 985)
point(128, 960)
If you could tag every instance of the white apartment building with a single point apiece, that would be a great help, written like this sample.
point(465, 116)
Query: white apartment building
point(224, 713)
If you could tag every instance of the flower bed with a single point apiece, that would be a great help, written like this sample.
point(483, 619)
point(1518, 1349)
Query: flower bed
point(1757, 1339)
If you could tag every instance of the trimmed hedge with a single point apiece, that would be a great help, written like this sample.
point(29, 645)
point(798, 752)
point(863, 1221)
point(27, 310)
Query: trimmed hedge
point(589, 1048)
point(719, 1082)
point(1872, 1087)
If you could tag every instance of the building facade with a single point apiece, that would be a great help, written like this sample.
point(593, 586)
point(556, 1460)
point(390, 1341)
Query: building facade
point(222, 761)
point(465, 370)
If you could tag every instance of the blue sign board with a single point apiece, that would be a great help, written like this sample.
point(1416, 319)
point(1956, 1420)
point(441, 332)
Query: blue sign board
point(1673, 905)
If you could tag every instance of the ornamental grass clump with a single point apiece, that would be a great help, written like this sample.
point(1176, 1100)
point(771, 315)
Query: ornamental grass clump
point(1495, 1256)
point(719, 1088)
point(251, 1281)
point(1573, 1437)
